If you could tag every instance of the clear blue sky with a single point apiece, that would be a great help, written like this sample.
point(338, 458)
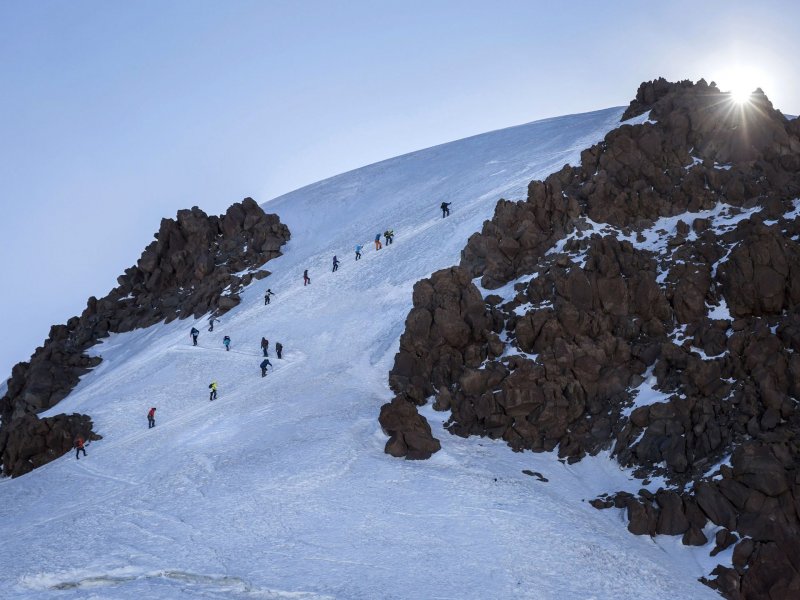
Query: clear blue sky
point(116, 114)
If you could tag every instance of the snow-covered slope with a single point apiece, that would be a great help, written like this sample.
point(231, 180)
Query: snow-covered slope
point(280, 488)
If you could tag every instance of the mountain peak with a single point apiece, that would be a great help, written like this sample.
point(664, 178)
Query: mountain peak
point(643, 302)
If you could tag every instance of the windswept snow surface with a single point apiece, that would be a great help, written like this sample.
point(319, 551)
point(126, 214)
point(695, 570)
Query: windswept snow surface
point(280, 488)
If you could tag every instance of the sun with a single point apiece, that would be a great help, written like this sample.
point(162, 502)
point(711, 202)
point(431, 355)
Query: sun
point(741, 94)
point(740, 82)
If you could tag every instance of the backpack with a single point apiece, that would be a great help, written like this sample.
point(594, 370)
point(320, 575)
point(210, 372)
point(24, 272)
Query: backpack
point(210, 385)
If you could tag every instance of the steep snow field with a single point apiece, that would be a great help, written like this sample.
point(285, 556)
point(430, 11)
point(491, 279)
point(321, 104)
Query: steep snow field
point(280, 488)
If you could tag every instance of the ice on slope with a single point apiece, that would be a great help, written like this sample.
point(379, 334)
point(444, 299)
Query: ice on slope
point(280, 488)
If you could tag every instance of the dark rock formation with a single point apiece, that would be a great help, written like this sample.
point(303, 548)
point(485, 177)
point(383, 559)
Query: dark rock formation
point(447, 310)
point(666, 263)
point(32, 441)
point(410, 434)
point(196, 265)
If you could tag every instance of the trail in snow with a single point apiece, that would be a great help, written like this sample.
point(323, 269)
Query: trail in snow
point(280, 487)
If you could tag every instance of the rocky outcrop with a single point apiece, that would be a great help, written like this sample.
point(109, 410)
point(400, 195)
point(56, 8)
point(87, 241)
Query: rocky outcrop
point(756, 498)
point(654, 311)
point(761, 276)
point(196, 265)
point(576, 356)
point(444, 335)
point(520, 232)
point(703, 120)
point(32, 441)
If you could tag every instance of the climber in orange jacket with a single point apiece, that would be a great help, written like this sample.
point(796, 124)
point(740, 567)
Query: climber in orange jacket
point(79, 447)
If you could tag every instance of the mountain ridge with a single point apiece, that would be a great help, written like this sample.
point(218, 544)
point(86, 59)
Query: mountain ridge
point(279, 488)
point(605, 293)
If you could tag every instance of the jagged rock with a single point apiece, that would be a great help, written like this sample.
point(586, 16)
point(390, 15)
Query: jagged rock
point(694, 537)
point(671, 518)
point(759, 469)
point(761, 275)
point(648, 94)
point(697, 518)
point(601, 503)
point(642, 518)
point(182, 273)
point(742, 553)
point(621, 499)
point(715, 505)
point(518, 234)
point(700, 117)
point(724, 540)
point(773, 571)
point(226, 303)
point(444, 331)
point(408, 431)
point(728, 581)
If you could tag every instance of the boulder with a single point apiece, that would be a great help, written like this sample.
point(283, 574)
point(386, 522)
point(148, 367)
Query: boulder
point(671, 518)
point(757, 467)
point(715, 505)
point(724, 539)
point(642, 517)
point(694, 537)
point(409, 432)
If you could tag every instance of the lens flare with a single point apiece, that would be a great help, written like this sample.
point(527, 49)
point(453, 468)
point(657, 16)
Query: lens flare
point(741, 94)
point(740, 82)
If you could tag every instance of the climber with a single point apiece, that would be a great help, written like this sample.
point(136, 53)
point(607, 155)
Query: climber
point(79, 447)
point(265, 346)
point(211, 323)
point(378, 245)
point(227, 342)
point(264, 364)
point(194, 333)
point(358, 251)
point(335, 263)
point(267, 294)
point(213, 394)
point(306, 278)
point(278, 349)
point(389, 235)
point(445, 209)
point(151, 418)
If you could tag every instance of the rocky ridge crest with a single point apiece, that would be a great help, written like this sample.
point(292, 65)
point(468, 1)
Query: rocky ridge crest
point(647, 301)
point(196, 265)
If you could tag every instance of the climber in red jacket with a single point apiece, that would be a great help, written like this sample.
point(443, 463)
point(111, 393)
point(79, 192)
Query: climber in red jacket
point(79, 447)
